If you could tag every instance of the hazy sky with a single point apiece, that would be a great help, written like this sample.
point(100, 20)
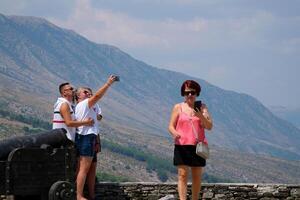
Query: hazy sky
point(249, 46)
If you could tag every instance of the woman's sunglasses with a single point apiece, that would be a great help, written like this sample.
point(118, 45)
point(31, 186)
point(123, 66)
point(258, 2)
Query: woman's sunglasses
point(186, 93)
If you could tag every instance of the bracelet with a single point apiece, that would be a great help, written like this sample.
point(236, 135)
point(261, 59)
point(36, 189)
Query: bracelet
point(108, 84)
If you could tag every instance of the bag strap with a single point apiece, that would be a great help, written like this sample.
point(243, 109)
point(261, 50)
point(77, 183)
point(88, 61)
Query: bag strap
point(197, 139)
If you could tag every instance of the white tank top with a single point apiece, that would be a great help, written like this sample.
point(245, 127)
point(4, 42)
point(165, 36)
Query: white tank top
point(58, 120)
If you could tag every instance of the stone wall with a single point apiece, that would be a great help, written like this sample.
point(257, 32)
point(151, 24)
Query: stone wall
point(154, 191)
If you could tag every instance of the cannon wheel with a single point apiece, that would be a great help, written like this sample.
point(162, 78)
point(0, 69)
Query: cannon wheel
point(62, 190)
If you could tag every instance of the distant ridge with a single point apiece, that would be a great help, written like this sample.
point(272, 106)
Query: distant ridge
point(291, 115)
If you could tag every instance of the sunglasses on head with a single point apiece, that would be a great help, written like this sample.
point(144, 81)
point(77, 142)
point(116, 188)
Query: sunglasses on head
point(86, 92)
point(186, 93)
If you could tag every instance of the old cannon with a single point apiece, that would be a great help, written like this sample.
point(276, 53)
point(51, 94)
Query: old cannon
point(40, 166)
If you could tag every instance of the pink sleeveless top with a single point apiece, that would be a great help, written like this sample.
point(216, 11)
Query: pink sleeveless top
point(184, 127)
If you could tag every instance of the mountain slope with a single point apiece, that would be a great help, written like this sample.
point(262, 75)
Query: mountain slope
point(223, 166)
point(290, 115)
point(36, 56)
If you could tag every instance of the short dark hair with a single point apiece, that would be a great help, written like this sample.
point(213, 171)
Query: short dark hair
point(63, 85)
point(190, 84)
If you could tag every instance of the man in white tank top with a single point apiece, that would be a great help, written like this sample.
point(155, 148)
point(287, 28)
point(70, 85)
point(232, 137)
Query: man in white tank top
point(64, 116)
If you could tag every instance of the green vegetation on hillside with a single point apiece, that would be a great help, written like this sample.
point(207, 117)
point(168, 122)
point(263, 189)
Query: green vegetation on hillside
point(208, 178)
point(276, 152)
point(102, 176)
point(154, 163)
point(160, 166)
point(37, 124)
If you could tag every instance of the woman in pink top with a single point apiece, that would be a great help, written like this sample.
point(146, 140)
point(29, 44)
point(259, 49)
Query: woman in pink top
point(183, 118)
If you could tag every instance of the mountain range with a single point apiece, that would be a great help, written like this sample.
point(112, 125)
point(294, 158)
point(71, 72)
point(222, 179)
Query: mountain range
point(36, 56)
point(289, 114)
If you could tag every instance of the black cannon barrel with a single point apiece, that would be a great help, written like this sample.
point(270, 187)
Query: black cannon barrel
point(54, 138)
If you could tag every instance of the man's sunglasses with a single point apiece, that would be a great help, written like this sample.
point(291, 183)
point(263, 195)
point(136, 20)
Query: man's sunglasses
point(70, 89)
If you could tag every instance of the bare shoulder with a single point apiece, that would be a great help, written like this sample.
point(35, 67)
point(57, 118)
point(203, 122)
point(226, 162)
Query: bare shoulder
point(176, 107)
point(64, 106)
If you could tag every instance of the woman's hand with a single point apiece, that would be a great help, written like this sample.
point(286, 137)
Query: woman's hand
point(198, 113)
point(204, 115)
point(176, 135)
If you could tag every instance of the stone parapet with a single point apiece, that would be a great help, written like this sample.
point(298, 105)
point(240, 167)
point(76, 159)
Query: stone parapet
point(155, 191)
point(209, 191)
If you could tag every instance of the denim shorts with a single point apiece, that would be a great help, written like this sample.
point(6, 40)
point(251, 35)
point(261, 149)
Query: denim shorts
point(85, 145)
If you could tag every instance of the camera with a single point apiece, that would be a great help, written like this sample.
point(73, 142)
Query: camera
point(117, 78)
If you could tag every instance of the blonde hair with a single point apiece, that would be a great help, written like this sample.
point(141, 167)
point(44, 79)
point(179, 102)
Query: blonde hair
point(77, 92)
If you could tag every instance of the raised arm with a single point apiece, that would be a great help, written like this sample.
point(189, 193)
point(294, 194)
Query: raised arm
point(101, 91)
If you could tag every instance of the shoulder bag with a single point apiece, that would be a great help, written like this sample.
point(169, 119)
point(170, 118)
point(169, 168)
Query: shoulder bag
point(202, 148)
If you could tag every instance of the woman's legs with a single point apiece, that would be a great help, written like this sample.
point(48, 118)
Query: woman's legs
point(196, 185)
point(91, 176)
point(84, 166)
point(182, 181)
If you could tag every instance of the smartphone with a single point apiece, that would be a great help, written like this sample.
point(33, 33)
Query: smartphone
point(197, 105)
point(117, 78)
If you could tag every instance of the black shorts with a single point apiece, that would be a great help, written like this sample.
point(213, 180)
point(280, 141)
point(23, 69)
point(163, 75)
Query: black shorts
point(186, 155)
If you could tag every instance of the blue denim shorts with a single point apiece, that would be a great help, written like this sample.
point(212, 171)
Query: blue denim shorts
point(85, 145)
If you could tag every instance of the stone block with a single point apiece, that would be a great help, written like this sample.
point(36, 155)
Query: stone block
point(208, 195)
point(280, 194)
point(267, 194)
point(295, 192)
point(290, 198)
point(168, 197)
point(283, 189)
point(220, 196)
point(252, 194)
point(242, 189)
point(269, 198)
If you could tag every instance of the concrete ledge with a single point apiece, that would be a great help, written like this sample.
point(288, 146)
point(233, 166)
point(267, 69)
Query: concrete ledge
point(155, 191)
